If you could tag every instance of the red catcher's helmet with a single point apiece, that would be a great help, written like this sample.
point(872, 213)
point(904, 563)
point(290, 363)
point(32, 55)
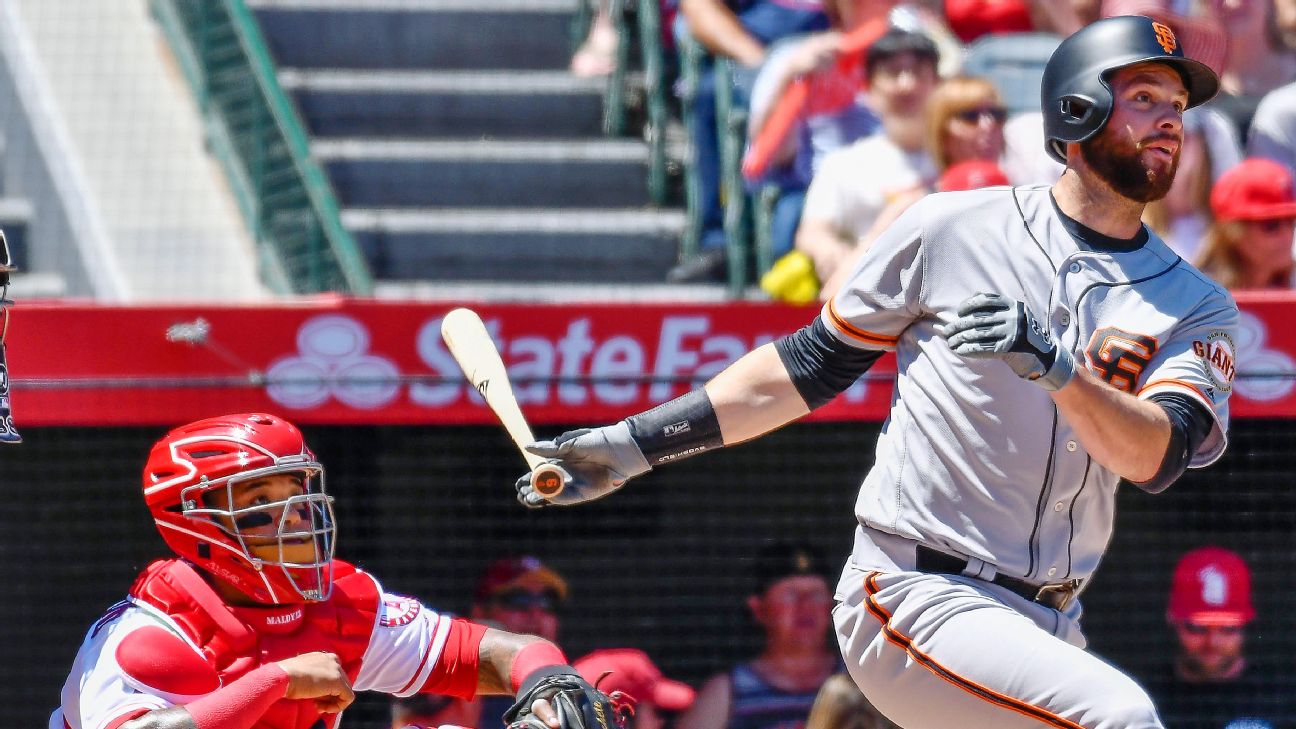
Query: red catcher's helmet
point(189, 486)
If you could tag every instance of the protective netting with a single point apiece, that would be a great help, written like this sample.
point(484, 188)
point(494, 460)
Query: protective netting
point(663, 565)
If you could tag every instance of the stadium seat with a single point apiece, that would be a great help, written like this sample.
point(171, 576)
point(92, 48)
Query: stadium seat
point(1014, 63)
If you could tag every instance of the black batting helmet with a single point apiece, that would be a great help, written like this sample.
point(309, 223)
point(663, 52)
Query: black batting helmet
point(1076, 91)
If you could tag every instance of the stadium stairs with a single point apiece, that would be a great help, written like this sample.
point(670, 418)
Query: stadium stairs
point(466, 158)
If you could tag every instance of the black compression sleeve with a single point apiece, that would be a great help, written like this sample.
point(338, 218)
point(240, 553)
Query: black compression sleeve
point(1190, 423)
point(673, 430)
point(821, 365)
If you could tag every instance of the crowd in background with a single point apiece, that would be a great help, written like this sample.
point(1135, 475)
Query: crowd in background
point(939, 103)
point(798, 680)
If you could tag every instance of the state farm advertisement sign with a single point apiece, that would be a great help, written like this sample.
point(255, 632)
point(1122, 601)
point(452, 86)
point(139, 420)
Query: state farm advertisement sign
point(342, 361)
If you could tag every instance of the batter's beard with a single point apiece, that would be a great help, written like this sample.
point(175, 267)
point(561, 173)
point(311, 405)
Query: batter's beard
point(1121, 166)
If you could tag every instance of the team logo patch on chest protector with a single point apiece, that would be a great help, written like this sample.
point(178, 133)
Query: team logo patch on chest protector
point(1218, 356)
point(1119, 357)
point(398, 610)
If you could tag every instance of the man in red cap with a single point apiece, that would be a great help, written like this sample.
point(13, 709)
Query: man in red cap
point(1209, 685)
point(633, 673)
point(519, 594)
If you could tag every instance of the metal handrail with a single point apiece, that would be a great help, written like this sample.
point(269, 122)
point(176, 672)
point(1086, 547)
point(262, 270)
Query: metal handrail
point(337, 265)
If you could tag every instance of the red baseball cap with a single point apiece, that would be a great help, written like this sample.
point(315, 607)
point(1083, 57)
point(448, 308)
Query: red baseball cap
point(1212, 586)
point(631, 671)
point(971, 174)
point(1255, 189)
point(971, 19)
point(522, 571)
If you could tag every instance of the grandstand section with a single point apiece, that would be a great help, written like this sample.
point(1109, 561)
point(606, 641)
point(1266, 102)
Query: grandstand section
point(461, 149)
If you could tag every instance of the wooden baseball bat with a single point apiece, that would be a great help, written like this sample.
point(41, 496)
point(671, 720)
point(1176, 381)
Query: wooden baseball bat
point(474, 350)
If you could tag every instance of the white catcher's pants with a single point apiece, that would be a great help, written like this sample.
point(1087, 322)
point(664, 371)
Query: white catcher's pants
point(940, 651)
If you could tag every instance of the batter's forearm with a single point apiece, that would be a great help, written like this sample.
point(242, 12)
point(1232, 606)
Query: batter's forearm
point(755, 395)
point(1127, 435)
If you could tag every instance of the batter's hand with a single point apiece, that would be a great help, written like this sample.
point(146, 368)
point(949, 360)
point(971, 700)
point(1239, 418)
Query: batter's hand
point(318, 676)
point(990, 325)
point(600, 461)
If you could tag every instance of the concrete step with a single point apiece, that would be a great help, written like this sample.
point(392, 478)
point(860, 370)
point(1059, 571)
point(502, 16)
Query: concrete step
point(440, 34)
point(448, 173)
point(466, 104)
point(518, 245)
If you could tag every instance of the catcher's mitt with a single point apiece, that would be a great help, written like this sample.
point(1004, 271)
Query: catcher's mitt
point(577, 704)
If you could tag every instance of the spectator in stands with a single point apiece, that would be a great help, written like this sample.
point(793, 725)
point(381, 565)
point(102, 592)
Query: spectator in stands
point(1273, 128)
point(632, 672)
point(791, 603)
point(519, 594)
point(742, 36)
point(425, 711)
point(597, 55)
point(965, 121)
point(842, 206)
point(1209, 148)
point(1209, 685)
point(972, 174)
point(837, 112)
point(1249, 246)
point(841, 705)
point(971, 19)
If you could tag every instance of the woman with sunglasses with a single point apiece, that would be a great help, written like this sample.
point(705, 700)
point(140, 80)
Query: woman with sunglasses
point(1249, 246)
point(965, 121)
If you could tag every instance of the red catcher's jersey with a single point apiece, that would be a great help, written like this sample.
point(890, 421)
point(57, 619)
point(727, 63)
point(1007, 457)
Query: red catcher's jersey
point(387, 643)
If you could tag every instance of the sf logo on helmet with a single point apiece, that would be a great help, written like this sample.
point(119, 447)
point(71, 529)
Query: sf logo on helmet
point(1165, 37)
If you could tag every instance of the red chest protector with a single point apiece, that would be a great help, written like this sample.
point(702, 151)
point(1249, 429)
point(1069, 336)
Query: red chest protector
point(236, 641)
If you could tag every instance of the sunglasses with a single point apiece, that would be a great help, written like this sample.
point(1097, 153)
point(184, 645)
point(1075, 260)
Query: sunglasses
point(974, 116)
point(1272, 225)
point(520, 600)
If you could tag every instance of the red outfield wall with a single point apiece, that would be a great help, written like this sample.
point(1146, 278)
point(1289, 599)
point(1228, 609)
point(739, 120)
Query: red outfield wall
point(339, 361)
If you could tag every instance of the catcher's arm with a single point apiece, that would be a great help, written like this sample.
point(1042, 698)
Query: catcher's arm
point(549, 693)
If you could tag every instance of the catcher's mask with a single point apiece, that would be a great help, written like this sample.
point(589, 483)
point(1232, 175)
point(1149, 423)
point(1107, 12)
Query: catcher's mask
point(191, 482)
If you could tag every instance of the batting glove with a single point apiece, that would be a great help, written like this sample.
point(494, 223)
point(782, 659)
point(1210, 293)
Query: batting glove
point(990, 325)
point(600, 461)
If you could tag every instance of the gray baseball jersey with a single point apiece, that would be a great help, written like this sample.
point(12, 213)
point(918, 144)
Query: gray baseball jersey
point(976, 461)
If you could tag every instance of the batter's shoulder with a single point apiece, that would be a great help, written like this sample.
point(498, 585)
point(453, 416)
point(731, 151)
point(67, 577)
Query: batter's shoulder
point(1203, 297)
point(950, 212)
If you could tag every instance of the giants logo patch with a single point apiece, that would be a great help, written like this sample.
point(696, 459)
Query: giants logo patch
point(398, 610)
point(1218, 358)
point(1165, 37)
point(1119, 357)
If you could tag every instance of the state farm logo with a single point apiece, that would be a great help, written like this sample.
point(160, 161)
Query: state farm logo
point(333, 361)
point(577, 367)
point(1267, 374)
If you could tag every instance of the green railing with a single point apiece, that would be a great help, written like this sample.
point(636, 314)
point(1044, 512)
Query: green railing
point(254, 131)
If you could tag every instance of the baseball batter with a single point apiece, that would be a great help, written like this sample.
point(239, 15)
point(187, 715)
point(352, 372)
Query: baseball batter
point(1048, 346)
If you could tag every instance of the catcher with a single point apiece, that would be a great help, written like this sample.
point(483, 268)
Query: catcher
point(256, 625)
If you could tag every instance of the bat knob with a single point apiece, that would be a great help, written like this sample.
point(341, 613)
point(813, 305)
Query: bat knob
point(548, 481)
